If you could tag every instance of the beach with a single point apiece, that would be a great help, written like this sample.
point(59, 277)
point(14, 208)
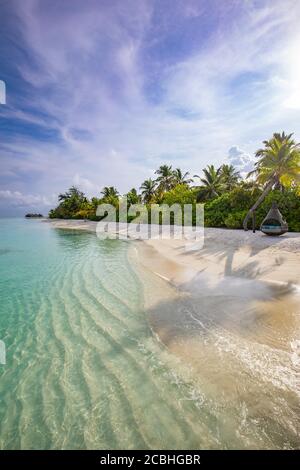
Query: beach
point(234, 271)
point(145, 344)
point(83, 368)
point(229, 312)
point(225, 253)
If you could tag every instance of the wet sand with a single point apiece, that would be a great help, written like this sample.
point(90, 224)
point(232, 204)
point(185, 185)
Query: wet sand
point(249, 286)
point(230, 313)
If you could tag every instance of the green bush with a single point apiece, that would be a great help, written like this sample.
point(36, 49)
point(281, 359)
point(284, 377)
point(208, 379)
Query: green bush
point(227, 210)
point(230, 209)
point(235, 219)
point(181, 194)
point(216, 211)
point(289, 205)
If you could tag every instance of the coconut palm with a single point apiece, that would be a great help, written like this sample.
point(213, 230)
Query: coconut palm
point(278, 165)
point(109, 191)
point(165, 179)
point(72, 192)
point(181, 178)
point(229, 176)
point(148, 189)
point(133, 197)
point(211, 182)
point(71, 202)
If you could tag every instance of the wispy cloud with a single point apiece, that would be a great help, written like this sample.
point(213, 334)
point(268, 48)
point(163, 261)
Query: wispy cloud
point(103, 92)
point(18, 199)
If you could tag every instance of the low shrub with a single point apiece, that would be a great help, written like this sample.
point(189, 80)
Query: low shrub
point(235, 219)
point(230, 209)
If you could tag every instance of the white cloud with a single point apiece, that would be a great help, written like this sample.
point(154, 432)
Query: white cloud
point(85, 185)
point(16, 198)
point(109, 131)
point(239, 159)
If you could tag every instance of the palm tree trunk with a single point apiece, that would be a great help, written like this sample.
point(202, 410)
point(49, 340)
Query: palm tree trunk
point(258, 202)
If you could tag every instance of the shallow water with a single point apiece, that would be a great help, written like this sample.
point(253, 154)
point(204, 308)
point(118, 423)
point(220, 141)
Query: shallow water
point(85, 370)
point(241, 338)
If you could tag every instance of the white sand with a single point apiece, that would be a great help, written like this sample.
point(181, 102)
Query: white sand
point(230, 314)
point(225, 253)
point(86, 225)
point(230, 311)
point(241, 291)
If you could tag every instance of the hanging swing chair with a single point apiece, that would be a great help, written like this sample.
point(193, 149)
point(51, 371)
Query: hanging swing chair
point(274, 223)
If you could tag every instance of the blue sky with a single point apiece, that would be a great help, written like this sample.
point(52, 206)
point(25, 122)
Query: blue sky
point(101, 92)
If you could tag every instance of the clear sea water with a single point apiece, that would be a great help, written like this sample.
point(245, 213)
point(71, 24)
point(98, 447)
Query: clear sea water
point(83, 367)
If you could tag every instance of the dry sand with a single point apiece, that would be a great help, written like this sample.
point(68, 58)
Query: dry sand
point(230, 313)
point(228, 253)
point(224, 253)
point(235, 277)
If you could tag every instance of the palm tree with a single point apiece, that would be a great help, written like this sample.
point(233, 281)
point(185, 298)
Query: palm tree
point(278, 165)
point(133, 197)
point(72, 192)
point(110, 191)
point(148, 189)
point(165, 178)
point(211, 182)
point(181, 178)
point(71, 202)
point(229, 176)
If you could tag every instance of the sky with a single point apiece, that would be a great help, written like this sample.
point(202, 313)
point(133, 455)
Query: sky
point(98, 93)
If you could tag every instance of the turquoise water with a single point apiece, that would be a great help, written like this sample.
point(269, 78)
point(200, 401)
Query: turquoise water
point(83, 368)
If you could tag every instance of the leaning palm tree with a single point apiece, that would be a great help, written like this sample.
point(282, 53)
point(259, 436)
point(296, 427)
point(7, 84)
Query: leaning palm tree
point(211, 182)
point(229, 176)
point(180, 177)
point(278, 165)
point(148, 189)
point(165, 178)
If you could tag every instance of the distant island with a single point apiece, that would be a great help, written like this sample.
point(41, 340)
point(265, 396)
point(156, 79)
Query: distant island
point(33, 216)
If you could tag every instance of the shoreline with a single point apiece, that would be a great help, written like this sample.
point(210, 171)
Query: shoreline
point(225, 253)
point(251, 271)
point(230, 314)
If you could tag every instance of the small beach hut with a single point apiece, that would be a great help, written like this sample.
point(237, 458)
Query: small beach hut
point(274, 223)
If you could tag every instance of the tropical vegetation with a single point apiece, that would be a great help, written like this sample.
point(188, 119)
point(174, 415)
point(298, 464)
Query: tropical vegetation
point(229, 200)
point(277, 167)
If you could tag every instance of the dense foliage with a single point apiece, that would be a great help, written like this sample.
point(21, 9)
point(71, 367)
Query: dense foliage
point(227, 197)
point(229, 210)
point(277, 167)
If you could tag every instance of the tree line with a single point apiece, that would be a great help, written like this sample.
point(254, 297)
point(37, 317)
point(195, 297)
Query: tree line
point(276, 170)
